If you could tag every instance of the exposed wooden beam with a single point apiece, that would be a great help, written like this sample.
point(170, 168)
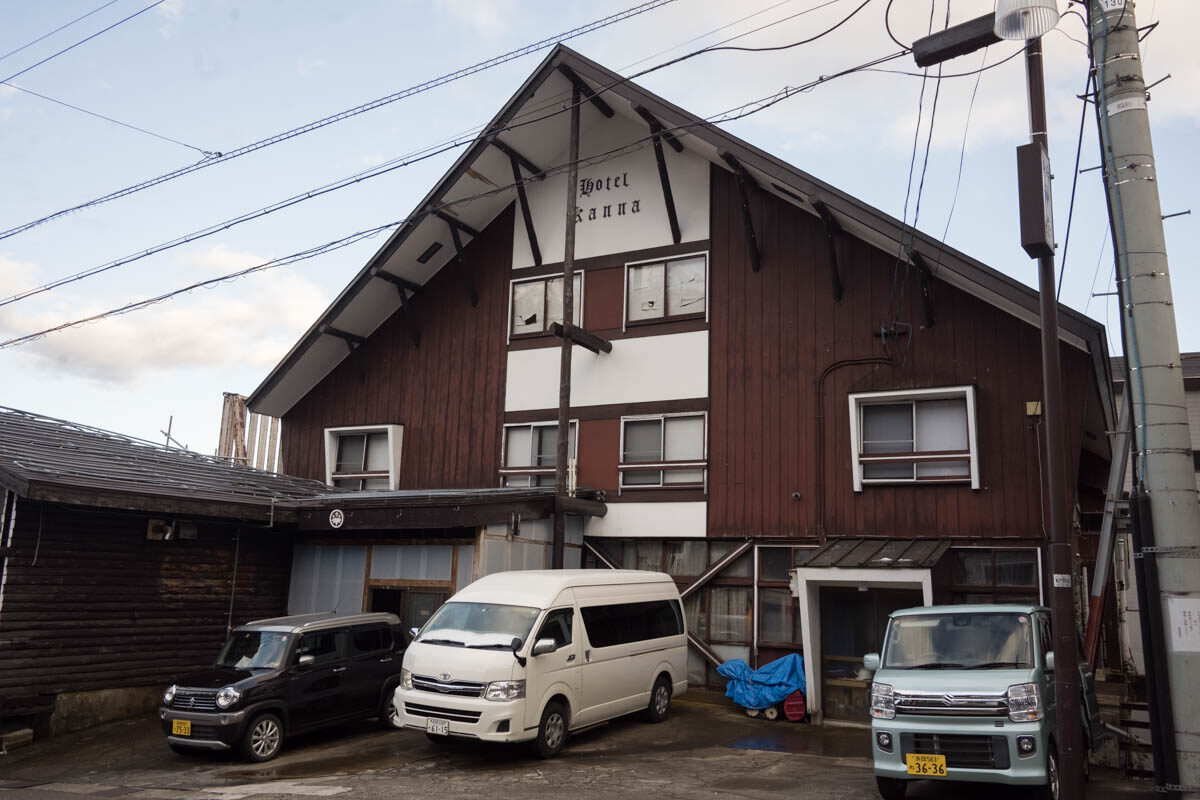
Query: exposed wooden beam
point(576, 505)
point(472, 294)
point(400, 283)
point(579, 336)
point(352, 340)
point(535, 172)
point(586, 90)
point(414, 333)
point(664, 177)
point(745, 183)
point(832, 228)
point(523, 200)
point(716, 568)
point(658, 129)
point(926, 274)
point(455, 222)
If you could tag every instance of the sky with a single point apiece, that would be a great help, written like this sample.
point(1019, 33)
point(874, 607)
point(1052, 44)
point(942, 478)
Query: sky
point(218, 74)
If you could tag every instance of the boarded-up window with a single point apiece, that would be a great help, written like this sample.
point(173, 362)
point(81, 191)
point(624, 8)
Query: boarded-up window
point(538, 303)
point(668, 289)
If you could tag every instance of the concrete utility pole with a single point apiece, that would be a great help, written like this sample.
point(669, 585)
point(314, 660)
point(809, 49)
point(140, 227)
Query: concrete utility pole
point(1162, 451)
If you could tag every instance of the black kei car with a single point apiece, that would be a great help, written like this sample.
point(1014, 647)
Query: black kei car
point(284, 676)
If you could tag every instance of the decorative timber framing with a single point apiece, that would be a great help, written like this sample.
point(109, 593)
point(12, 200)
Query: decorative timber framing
point(746, 182)
point(517, 161)
point(926, 285)
point(579, 336)
point(403, 287)
point(832, 228)
point(585, 91)
point(657, 135)
point(352, 340)
point(472, 292)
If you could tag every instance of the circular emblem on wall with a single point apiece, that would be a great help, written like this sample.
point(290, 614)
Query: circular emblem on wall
point(336, 518)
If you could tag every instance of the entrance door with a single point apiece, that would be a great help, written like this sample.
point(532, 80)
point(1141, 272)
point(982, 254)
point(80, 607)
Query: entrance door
point(852, 624)
point(414, 607)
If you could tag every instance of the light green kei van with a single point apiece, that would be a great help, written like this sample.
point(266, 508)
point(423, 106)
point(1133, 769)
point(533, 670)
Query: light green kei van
point(966, 693)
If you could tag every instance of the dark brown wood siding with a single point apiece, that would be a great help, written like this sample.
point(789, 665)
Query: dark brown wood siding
point(448, 392)
point(775, 331)
point(90, 603)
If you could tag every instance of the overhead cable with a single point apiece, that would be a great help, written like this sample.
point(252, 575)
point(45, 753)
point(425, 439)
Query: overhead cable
point(221, 157)
point(56, 30)
point(730, 115)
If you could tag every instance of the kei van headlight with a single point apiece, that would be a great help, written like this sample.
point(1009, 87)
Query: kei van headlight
point(1024, 702)
point(406, 679)
point(883, 701)
point(169, 695)
point(505, 690)
point(227, 697)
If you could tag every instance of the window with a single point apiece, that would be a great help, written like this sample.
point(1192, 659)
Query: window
point(530, 453)
point(664, 450)
point(363, 458)
point(323, 646)
point(982, 575)
point(557, 626)
point(914, 436)
point(666, 289)
point(538, 303)
point(623, 623)
point(371, 640)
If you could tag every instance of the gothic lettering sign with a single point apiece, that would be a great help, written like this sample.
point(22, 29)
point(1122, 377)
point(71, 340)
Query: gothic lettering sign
point(600, 198)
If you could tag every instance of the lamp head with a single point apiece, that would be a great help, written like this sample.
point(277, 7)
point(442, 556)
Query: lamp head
point(1025, 19)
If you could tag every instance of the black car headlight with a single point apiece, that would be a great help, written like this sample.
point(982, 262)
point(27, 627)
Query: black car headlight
point(228, 697)
point(169, 695)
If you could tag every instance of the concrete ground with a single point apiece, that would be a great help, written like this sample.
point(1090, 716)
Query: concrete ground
point(702, 750)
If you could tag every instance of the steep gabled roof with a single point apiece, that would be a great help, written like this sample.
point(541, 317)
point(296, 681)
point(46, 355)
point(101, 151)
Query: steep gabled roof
point(526, 124)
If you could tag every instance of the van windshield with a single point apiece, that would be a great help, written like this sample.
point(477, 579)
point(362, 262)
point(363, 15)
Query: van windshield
point(253, 650)
point(987, 640)
point(484, 625)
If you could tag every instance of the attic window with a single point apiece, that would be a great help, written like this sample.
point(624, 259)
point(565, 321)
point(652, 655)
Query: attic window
point(363, 458)
point(674, 289)
point(537, 303)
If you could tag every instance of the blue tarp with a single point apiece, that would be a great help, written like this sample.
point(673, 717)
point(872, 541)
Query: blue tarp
point(765, 686)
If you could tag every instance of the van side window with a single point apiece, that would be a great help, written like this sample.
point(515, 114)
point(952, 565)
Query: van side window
point(1045, 635)
point(623, 623)
point(557, 627)
point(371, 640)
point(323, 646)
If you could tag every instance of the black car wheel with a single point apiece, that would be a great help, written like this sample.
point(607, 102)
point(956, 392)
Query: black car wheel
point(263, 738)
point(660, 701)
point(552, 732)
point(891, 788)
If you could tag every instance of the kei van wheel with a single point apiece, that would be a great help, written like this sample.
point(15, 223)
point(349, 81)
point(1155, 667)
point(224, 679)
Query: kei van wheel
point(660, 701)
point(891, 788)
point(552, 732)
point(263, 738)
point(1050, 789)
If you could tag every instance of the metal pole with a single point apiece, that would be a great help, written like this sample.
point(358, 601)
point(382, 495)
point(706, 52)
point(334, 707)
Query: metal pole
point(1069, 732)
point(1161, 443)
point(1104, 550)
point(564, 369)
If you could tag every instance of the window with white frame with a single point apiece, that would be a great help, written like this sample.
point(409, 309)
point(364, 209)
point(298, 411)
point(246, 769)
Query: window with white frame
point(531, 453)
point(914, 436)
point(363, 457)
point(537, 303)
point(670, 289)
point(664, 450)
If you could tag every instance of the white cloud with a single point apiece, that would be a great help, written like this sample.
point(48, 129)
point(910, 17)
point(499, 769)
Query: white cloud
point(170, 12)
point(307, 67)
point(488, 16)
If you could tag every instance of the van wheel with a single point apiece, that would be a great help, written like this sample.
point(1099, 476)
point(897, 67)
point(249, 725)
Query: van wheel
point(389, 715)
point(1049, 791)
point(891, 788)
point(552, 732)
point(263, 738)
point(660, 701)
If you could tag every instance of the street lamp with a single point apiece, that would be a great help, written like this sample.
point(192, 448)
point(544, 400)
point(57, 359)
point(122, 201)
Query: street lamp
point(1028, 20)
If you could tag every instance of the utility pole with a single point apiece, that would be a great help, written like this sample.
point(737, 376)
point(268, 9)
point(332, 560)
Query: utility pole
point(558, 544)
point(1165, 490)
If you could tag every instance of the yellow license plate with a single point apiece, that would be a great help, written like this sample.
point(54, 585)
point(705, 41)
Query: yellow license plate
point(183, 727)
point(925, 765)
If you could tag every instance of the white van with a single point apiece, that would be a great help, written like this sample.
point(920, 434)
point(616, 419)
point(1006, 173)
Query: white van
point(529, 656)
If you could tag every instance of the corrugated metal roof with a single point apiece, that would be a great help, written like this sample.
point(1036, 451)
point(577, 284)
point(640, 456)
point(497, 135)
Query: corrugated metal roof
point(877, 553)
point(35, 449)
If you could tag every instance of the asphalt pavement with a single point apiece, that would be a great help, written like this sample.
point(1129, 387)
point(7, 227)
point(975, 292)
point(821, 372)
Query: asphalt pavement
point(702, 750)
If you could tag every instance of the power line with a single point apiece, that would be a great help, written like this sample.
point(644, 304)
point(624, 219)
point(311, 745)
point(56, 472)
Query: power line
point(82, 41)
point(56, 30)
point(218, 158)
point(730, 115)
point(1062, 267)
point(108, 119)
point(421, 154)
point(962, 155)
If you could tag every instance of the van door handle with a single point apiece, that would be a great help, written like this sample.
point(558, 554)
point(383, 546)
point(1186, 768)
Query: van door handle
point(571, 657)
point(587, 655)
point(385, 660)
